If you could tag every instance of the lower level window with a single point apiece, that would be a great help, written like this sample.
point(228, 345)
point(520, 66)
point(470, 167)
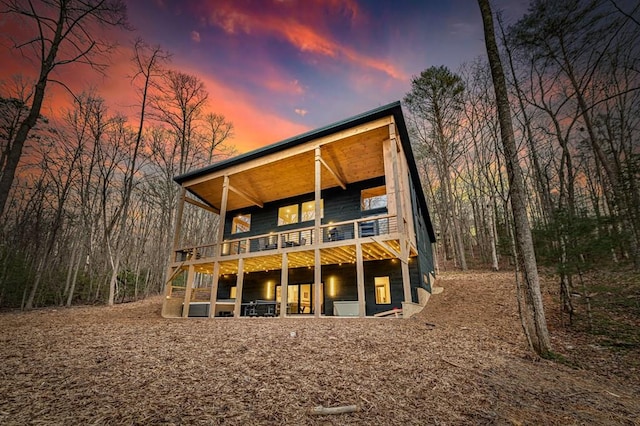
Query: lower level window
point(383, 293)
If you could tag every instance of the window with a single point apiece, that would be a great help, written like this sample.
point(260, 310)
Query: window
point(241, 223)
point(373, 198)
point(383, 294)
point(233, 293)
point(288, 215)
point(309, 210)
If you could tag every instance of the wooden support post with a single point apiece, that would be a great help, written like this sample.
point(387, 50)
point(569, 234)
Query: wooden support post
point(317, 279)
point(317, 267)
point(218, 249)
point(389, 179)
point(362, 307)
point(405, 192)
point(178, 228)
point(397, 182)
point(214, 289)
point(176, 242)
point(239, 281)
point(223, 213)
point(404, 265)
point(400, 190)
point(187, 293)
point(318, 196)
point(284, 284)
point(169, 279)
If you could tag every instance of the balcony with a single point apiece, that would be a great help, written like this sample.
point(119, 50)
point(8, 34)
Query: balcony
point(337, 234)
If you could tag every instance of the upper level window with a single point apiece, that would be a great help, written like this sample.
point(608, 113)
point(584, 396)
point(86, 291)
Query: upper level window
point(373, 198)
point(309, 210)
point(241, 223)
point(288, 215)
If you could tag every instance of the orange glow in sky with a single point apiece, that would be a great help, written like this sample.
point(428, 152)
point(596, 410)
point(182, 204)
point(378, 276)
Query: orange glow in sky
point(274, 68)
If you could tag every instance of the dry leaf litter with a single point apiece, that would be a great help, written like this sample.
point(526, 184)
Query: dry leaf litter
point(462, 360)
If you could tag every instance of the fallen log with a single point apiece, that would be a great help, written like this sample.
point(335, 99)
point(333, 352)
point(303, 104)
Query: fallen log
point(320, 410)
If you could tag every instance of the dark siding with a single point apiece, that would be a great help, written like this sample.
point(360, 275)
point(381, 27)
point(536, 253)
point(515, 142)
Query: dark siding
point(425, 253)
point(339, 205)
point(383, 268)
point(254, 284)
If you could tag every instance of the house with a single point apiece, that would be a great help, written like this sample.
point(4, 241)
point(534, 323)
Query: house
point(330, 222)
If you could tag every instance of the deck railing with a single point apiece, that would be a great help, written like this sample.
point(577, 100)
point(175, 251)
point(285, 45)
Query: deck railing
point(329, 233)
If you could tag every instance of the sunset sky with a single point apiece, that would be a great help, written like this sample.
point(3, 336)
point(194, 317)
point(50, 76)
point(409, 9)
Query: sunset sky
point(277, 68)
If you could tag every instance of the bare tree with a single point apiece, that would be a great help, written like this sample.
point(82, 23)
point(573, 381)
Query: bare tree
point(148, 61)
point(59, 166)
point(89, 220)
point(480, 156)
point(217, 133)
point(14, 99)
point(574, 39)
point(435, 102)
point(532, 310)
point(90, 121)
point(64, 34)
point(180, 105)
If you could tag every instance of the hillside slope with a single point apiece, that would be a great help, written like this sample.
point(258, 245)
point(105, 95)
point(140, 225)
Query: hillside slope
point(461, 361)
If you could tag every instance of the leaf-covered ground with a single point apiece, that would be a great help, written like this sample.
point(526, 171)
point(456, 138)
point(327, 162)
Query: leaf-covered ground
point(461, 361)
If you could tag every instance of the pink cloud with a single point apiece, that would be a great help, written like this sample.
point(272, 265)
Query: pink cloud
point(195, 36)
point(306, 31)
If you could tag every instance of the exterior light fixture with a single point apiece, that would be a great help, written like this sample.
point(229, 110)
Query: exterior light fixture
point(269, 290)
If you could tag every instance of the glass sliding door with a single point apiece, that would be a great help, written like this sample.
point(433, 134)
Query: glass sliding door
point(300, 298)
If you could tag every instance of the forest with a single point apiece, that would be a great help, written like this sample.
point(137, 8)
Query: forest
point(87, 198)
point(572, 75)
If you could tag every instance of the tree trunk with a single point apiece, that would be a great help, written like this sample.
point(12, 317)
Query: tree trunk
point(36, 283)
point(455, 222)
point(533, 310)
point(74, 280)
point(114, 280)
point(72, 262)
point(13, 158)
point(493, 235)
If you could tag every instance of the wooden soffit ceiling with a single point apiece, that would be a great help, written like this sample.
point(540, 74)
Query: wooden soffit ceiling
point(291, 172)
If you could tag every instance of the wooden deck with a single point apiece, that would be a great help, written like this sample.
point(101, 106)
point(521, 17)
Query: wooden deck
point(377, 235)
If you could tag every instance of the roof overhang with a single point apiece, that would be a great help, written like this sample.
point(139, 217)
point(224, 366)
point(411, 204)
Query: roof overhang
point(350, 150)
